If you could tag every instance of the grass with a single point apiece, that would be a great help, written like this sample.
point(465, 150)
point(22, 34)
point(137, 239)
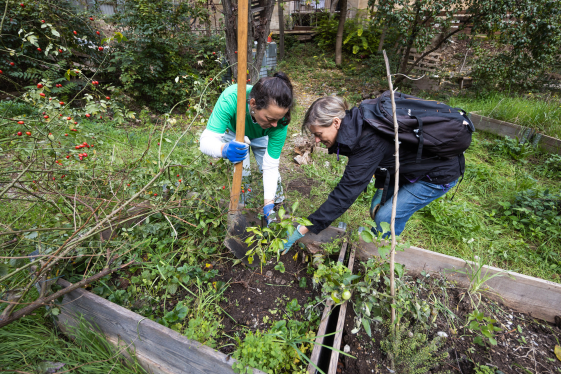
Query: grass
point(537, 112)
point(30, 345)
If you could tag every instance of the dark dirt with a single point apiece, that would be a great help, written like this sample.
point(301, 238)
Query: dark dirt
point(253, 295)
point(528, 349)
point(303, 185)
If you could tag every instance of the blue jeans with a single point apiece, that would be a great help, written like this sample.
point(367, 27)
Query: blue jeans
point(410, 198)
point(258, 147)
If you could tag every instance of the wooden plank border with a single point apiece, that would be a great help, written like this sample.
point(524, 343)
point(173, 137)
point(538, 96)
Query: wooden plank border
point(159, 349)
point(536, 297)
point(340, 323)
point(546, 144)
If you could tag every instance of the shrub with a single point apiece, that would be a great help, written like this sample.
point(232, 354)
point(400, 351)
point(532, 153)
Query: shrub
point(358, 37)
point(162, 58)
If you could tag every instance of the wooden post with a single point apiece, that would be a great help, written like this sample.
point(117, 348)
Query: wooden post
point(396, 187)
point(281, 31)
point(240, 115)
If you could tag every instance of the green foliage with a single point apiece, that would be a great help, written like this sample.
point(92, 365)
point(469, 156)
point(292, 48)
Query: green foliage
point(552, 166)
point(282, 349)
point(483, 327)
point(532, 32)
point(163, 62)
point(336, 281)
point(373, 301)
point(513, 148)
point(483, 369)
point(410, 351)
point(359, 37)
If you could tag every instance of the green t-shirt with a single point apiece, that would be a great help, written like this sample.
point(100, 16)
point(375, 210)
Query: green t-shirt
point(223, 118)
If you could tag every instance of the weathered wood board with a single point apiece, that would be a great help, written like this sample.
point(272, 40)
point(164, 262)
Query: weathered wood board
point(159, 349)
point(323, 324)
point(536, 297)
point(340, 323)
point(502, 128)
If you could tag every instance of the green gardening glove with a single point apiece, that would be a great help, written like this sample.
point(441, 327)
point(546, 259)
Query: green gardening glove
point(291, 239)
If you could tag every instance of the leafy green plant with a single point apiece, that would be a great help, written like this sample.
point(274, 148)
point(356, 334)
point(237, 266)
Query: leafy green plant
point(483, 327)
point(552, 166)
point(268, 241)
point(513, 148)
point(337, 281)
point(373, 301)
point(358, 36)
point(483, 369)
point(410, 351)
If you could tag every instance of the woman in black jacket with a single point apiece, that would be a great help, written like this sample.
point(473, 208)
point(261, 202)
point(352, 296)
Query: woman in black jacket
point(344, 133)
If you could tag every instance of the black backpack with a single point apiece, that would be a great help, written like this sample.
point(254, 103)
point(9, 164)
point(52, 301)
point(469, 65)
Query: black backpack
point(435, 127)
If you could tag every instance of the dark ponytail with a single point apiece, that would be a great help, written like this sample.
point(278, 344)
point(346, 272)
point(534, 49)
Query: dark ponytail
point(277, 90)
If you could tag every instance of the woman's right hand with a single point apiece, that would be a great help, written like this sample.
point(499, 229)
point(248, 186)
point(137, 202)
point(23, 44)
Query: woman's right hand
point(235, 151)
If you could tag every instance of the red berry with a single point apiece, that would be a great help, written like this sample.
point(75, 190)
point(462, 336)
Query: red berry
point(61, 103)
point(65, 134)
point(85, 143)
point(91, 145)
point(68, 118)
point(75, 33)
point(85, 155)
point(223, 187)
point(20, 122)
point(100, 48)
point(42, 21)
point(88, 115)
point(213, 53)
point(46, 117)
point(242, 191)
point(155, 194)
point(100, 117)
point(77, 147)
point(107, 98)
point(75, 122)
point(54, 178)
point(128, 184)
point(42, 94)
point(62, 176)
point(249, 189)
point(97, 32)
point(210, 78)
point(91, 18)
point(81, 159)
point(28, 133)
point(39, 85)
point(180, 181)
point(1, 72)
point(67, 157)
point(12, 63)
point(60, 50)
point(235, 51)
point(211, 163)
point(20, 133)
point(22, 5)
point(177, 175)
point(39, 49)
point(44, 113)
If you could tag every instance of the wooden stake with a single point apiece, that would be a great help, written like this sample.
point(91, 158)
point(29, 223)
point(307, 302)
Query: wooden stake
point(396, 188)
point(240, 115)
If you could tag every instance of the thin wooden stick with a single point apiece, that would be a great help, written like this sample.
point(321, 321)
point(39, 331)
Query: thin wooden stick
point(396, 188)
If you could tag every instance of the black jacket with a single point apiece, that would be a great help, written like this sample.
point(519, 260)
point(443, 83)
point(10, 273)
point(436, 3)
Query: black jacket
point(368, 153)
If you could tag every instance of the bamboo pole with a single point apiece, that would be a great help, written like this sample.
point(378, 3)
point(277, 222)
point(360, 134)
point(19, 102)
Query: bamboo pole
point(396, 189)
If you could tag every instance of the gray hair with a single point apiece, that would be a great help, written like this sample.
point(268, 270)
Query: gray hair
point(323, 111)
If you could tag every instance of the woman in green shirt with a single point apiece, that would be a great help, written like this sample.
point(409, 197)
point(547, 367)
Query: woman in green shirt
point(266, 121)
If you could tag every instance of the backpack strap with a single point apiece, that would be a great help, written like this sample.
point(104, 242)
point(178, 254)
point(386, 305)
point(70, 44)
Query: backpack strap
point(419, 134)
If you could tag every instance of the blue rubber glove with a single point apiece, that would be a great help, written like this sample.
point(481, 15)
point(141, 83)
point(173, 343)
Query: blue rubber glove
point(291, 239)
point(235, 151)
point(375, 204)
point(267, 211)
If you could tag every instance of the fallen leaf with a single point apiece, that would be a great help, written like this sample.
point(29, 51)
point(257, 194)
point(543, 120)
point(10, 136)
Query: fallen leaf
point(558, 352)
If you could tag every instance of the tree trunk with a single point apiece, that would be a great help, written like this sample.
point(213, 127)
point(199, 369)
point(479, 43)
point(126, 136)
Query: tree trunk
point(340, 29)
point(382, 37)
point(411, 39)
point(260, 33)
point(281, 32)
point(231, 29)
